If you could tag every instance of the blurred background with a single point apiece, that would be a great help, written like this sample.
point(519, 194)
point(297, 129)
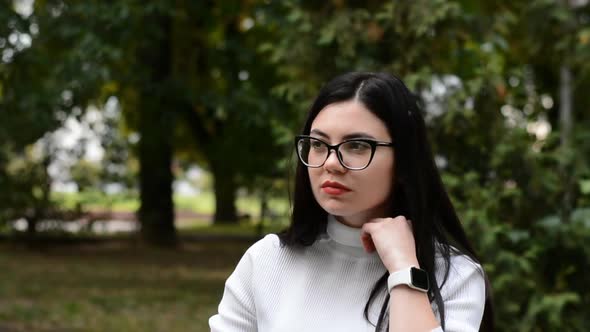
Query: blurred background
point(144, 145)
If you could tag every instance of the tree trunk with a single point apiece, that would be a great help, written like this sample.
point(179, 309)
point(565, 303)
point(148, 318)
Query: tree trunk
point(225, 194)
point(156, 212)
point(156, 124)
point(31, 229)
point(263, 212)
point(224, 175)
point(565, 123)
point(40, 208)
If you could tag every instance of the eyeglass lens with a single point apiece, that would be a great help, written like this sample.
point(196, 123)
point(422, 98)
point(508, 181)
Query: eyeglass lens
point(352, 154)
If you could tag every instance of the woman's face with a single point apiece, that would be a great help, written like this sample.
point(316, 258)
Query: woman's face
point(367, 190)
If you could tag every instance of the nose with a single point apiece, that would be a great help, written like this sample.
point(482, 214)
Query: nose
point(333, 164)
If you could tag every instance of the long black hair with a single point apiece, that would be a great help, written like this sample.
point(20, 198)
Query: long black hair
point(418, 192)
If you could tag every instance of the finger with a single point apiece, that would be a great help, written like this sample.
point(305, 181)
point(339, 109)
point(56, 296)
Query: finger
point(369, 226)
point(409, 222)
point(401, 218)
point(367, 242)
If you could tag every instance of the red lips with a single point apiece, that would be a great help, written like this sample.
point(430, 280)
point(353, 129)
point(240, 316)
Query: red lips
point(334, 188)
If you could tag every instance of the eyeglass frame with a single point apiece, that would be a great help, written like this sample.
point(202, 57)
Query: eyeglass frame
point(373, 143)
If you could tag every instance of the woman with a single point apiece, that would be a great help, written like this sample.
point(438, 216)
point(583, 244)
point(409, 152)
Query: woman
point(374, 243)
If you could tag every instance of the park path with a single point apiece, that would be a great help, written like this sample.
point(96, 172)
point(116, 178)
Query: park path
point(110, 222)
point(104, 221)
point(131, 215)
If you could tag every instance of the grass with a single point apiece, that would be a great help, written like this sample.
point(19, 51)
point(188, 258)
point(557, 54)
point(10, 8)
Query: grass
point(117, 286)
point(203, 203)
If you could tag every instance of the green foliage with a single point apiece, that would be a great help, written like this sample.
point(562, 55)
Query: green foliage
point(25, 184)
point(86, 175)
point(43, 81)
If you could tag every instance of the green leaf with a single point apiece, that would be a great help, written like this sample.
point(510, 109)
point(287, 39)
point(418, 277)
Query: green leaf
point(584, 186)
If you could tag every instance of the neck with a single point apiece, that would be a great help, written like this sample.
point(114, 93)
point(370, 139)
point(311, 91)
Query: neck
point(359, 219)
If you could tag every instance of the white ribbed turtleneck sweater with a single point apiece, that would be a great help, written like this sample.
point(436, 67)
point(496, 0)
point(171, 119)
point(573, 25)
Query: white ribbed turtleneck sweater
point(325, 287)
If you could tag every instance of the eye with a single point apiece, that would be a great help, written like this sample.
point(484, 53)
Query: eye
point(316, 145)
point(357, 147)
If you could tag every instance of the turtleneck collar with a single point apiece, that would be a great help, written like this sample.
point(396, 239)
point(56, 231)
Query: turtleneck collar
point(345, 235)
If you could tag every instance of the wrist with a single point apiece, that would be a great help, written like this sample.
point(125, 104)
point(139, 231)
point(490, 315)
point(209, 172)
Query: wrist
point(403, 264)
point(412, 277)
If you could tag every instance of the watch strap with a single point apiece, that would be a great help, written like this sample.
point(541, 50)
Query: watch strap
point(404, 277)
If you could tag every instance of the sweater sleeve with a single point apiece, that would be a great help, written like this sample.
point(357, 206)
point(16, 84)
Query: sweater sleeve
point(463, 296)
point(236, 311)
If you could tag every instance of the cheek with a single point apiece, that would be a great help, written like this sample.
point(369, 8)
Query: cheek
point(377, 184)
point(314, 178)
point(314, 175)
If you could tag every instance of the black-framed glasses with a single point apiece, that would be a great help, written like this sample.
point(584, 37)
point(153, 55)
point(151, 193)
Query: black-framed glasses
point(354, 154)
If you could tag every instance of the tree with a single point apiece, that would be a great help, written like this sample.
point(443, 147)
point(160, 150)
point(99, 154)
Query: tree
point(35, 97)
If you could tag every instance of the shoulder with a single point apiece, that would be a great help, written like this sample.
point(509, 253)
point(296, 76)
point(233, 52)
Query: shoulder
point(462, 285)
point(458, 262)
point(268, 243)
point(265, 262)
point(462, 265)
point(461, 273)
point(267, 250)
point(260, 254)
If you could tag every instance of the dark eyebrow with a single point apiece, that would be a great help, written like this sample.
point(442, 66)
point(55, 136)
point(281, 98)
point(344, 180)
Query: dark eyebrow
point(357, 135)
point(319, 133)
point(345, 137)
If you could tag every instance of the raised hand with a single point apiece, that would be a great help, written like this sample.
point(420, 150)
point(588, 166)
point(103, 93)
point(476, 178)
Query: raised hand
point(394, 241)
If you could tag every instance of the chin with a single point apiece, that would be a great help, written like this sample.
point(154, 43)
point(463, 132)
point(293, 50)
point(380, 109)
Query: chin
point(336, 208)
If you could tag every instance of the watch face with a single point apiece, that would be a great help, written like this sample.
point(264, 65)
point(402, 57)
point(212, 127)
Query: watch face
point(419, 278)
